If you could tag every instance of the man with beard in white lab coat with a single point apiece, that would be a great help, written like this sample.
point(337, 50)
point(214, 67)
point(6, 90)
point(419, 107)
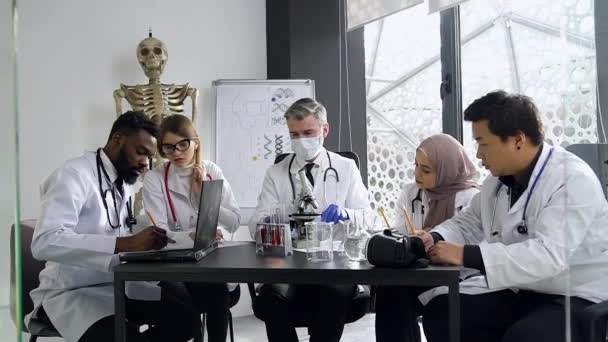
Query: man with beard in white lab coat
point(85, 221)
point(337, 191)
point(536, 233)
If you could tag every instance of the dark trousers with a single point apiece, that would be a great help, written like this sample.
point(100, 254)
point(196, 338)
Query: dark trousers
point(323, 309)
point(170, 319)
point(214, 300)
point(502, 316)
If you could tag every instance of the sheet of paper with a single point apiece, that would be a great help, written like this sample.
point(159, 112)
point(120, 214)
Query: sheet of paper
point(182, 240)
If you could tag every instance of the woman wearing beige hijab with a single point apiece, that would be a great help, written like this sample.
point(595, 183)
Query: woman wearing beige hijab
point(443, 185)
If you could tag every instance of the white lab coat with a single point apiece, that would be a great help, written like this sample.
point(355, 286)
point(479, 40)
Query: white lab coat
point(420, 208)
point(74, 237)
point(349, 192)
point(180, 180)
point(566, 249)
point(186, 211)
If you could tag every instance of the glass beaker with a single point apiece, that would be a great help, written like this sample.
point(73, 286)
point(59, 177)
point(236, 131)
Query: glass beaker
point(319, 244)
point(355, 241)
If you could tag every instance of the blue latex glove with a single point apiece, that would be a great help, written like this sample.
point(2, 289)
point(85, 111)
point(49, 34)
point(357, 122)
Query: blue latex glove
point(333, 214)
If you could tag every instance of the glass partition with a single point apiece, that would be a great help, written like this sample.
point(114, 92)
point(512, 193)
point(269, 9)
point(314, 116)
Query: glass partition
point(10, 292)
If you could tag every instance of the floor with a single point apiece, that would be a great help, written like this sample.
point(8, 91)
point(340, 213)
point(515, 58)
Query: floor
point(246, 329)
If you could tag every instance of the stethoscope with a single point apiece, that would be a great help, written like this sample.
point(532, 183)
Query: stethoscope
point(330, 168)
point(418, 198)
point(131, 220)
point(176, 225)
point(522, 228)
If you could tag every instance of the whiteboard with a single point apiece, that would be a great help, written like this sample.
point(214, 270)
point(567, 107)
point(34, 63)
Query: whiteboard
point(250, 129)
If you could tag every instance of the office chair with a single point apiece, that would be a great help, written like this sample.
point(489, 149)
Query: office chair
point(596, 156)
point(595, 317)
point(30, 268)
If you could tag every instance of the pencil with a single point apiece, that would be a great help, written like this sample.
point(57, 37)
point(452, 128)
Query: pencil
point(381, 212)
point(151, 218)
point(409, 222)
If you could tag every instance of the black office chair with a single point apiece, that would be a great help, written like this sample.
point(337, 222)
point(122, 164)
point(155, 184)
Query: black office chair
point(345, 154)
point(30, 268)
point(595, 317)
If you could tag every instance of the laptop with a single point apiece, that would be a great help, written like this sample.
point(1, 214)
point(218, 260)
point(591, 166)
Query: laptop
point(204, 238)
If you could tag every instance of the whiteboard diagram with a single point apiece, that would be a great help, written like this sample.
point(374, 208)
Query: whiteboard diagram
point(251, 131)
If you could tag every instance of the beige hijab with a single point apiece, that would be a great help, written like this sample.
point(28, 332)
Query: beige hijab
point(455, 172)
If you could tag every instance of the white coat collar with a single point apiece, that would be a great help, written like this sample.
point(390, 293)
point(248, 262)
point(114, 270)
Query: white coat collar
point(541, 160)
point(179, 179)
point(539, 164)
point(320, 161)
point(108, 165)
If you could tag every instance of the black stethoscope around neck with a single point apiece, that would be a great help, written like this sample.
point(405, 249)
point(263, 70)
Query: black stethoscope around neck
point(330, 168)
point(418, 198)
point(522, 228)
point(131, 220)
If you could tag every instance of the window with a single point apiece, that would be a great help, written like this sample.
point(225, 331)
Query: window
point(402, 55)
point(544, 49)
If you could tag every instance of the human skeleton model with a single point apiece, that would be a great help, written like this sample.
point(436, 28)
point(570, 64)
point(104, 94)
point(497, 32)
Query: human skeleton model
point(155, 99)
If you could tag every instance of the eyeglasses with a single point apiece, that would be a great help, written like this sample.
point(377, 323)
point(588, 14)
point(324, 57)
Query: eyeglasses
point(182, 145)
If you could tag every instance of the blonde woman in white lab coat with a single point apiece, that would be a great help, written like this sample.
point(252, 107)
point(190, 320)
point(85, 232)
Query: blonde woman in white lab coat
point(444, 184)
point(536, 231)
point(171, 194)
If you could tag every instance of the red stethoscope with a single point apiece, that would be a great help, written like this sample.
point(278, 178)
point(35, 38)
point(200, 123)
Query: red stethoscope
point(171, 206)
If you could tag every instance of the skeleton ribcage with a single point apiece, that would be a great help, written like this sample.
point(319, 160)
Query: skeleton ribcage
point(157, 101)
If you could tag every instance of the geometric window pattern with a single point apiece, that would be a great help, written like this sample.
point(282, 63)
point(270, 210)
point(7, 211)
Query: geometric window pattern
point(542, 48)
point(403, 104)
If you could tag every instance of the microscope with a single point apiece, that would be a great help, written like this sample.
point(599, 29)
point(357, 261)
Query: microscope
point(305, 206)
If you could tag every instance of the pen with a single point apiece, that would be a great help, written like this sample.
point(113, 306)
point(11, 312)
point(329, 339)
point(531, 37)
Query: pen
point(170, 240)
point(409, 222)
point(151, 218)
point(381, 212)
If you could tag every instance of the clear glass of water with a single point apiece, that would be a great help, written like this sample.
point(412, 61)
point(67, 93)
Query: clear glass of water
point(339, 236)
point(356, 239)
point(319, 244)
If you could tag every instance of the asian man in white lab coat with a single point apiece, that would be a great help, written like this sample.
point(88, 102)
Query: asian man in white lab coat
point(338, 188)
point(536, 233)
point(85, 221)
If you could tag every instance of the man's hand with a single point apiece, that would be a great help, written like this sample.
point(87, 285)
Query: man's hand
point(426, 238)
point(151, 238)
point(219, 235)
point(446, 253)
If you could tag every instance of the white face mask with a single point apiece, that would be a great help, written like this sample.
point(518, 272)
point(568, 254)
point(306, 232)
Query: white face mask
point(306, 148)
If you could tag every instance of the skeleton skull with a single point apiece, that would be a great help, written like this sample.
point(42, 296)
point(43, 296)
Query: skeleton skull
point(152, 56)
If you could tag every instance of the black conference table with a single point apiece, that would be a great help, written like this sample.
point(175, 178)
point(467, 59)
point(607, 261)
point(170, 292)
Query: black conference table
point(237, 262)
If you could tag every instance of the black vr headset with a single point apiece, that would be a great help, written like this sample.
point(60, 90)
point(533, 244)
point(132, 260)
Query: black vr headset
point(391, 249)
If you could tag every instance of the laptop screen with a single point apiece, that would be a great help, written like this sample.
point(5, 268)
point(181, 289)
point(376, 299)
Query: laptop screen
point(208, 212)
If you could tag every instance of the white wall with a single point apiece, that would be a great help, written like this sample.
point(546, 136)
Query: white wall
point(74, 53)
